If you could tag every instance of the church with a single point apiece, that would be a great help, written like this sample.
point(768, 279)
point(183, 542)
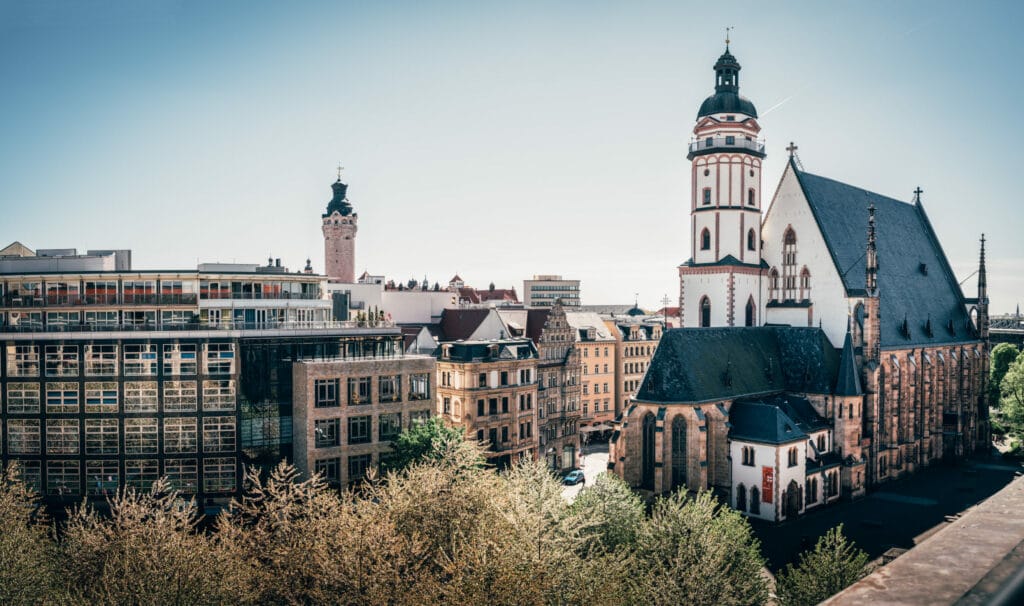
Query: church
point(826, 346)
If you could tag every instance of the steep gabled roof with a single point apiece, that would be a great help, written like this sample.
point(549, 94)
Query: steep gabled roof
point(915, 280)
point(703, 364)
point(461, 323)
point(764, 423)
point(848, 380)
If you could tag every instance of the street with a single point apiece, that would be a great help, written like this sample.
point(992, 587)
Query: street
point(594, 462)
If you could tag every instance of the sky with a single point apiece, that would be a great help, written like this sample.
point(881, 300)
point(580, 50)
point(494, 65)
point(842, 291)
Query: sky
point(495, 140)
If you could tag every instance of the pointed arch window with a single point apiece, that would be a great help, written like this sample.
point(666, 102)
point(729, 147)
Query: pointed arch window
point(741, 497)
point(705, 239)
point(789, 264)
point(750, 315)
point(805, 284)
point(751, 239)
point(705, 312)
point(773, 284)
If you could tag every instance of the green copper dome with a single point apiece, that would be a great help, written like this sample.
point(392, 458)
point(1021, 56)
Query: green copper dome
point(727, 99)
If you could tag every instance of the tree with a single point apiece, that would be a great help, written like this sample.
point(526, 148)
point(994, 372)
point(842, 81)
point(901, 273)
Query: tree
point(429, 441)
point(697, 551)
point(1003, 355)
point(608, 513)
point(27, 554)
point(148, 551)
point(1012, 392)
point(832, 565)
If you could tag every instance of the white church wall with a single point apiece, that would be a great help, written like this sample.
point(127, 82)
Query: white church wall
point(747, 286)
point(786, 474)
point(790, 208)
point(715, 287)
point(751, 475)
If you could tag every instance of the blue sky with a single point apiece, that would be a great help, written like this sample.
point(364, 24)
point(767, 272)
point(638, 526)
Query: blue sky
point(492, 139)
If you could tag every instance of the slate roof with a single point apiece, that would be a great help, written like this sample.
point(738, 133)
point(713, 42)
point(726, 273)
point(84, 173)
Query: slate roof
point(848, 379)
point(339, 200)
point(727, 261)
point(582, 320)
point(702, 364)
point(915, 280)
point(461, 323)
point(764, 423)
point(478, 351)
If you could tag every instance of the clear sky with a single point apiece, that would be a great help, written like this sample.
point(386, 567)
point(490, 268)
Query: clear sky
point(492, 139)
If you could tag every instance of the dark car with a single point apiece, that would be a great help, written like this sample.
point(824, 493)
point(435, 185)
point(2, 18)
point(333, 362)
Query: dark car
point(574, 477)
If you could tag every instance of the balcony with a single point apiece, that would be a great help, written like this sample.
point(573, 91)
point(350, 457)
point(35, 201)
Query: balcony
point(35, 327)
point(726, 143)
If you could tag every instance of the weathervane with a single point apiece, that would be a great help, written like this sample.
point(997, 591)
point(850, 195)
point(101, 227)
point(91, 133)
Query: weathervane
point(340, 168)
point(727, 30)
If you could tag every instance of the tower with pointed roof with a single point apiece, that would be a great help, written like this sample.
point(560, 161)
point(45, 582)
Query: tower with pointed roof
point(339, 227)
point(720, 283)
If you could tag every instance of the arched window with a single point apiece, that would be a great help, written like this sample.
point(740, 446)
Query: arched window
point(705, 239)
point(647, 452)
point(750, 312)
point(741, 497)
point(755, 500)
point(805, 284)
point(705, 312)
point(751, 240)
point(773, 284)
point(789, 264)
point(751, 196)
point(679, 451)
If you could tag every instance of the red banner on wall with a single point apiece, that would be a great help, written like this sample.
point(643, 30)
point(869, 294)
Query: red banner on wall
point(767, 484)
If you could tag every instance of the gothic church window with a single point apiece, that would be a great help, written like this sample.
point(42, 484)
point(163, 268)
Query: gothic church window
point(751, 239)
point(705, 312)
point(750, 313)
point(705, 239)
point(773, 284)
point(741, 497)
point(789, 264)
point(805, 284)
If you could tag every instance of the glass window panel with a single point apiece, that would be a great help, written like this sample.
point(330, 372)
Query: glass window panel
point(63, 478)
point(139, 360)
point(219, 395)
point(62, 436)
point(22, 360)
point(62, 360)
point(101, 437)
point(180, 359)
point(390, 425)
point(326, 393)
point(180, 396)
point(219, 474)
point(23, 398)
point(219, 434)
point(101, 397)
point(101, 360)
point(23, 436)
point(101, 477)
point(183, 474)
point(140, 396)
point(180, 435)
point(358, 430)
point(141, 436)
point(419, 386)
point(141, 473)
point(62, 397)
point(220, 358)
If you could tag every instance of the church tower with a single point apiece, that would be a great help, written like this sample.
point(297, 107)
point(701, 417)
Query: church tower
point(340, 236)
point(720, 284)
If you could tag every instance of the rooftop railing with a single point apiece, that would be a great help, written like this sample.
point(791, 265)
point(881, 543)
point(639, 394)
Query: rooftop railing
point(727, 142)
point(30, 327)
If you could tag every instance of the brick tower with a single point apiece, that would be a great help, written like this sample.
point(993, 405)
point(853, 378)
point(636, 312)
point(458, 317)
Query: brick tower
point(340, 236)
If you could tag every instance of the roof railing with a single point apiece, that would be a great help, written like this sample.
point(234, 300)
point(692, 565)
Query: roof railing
point(727, 142)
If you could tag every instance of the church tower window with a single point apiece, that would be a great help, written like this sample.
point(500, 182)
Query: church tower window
point(749, 315)
point(705, 239)
point(705, 312)
point(750, 196)
point(751, 240)
point(707, 196)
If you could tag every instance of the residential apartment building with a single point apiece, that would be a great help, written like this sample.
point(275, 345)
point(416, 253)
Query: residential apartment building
point(559, 392)
point(635, 343)
point(113, 377)
point(598, 382)
point(544, 290)
point(490, 389)
point(349, 410)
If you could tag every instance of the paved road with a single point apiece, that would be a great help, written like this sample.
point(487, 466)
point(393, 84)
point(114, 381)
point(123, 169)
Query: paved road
point(893, 515)
point(595, 461)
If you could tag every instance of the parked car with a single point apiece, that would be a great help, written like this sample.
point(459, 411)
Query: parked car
point(574, 477)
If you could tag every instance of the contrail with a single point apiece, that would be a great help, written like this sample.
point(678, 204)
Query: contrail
point(777, 105)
